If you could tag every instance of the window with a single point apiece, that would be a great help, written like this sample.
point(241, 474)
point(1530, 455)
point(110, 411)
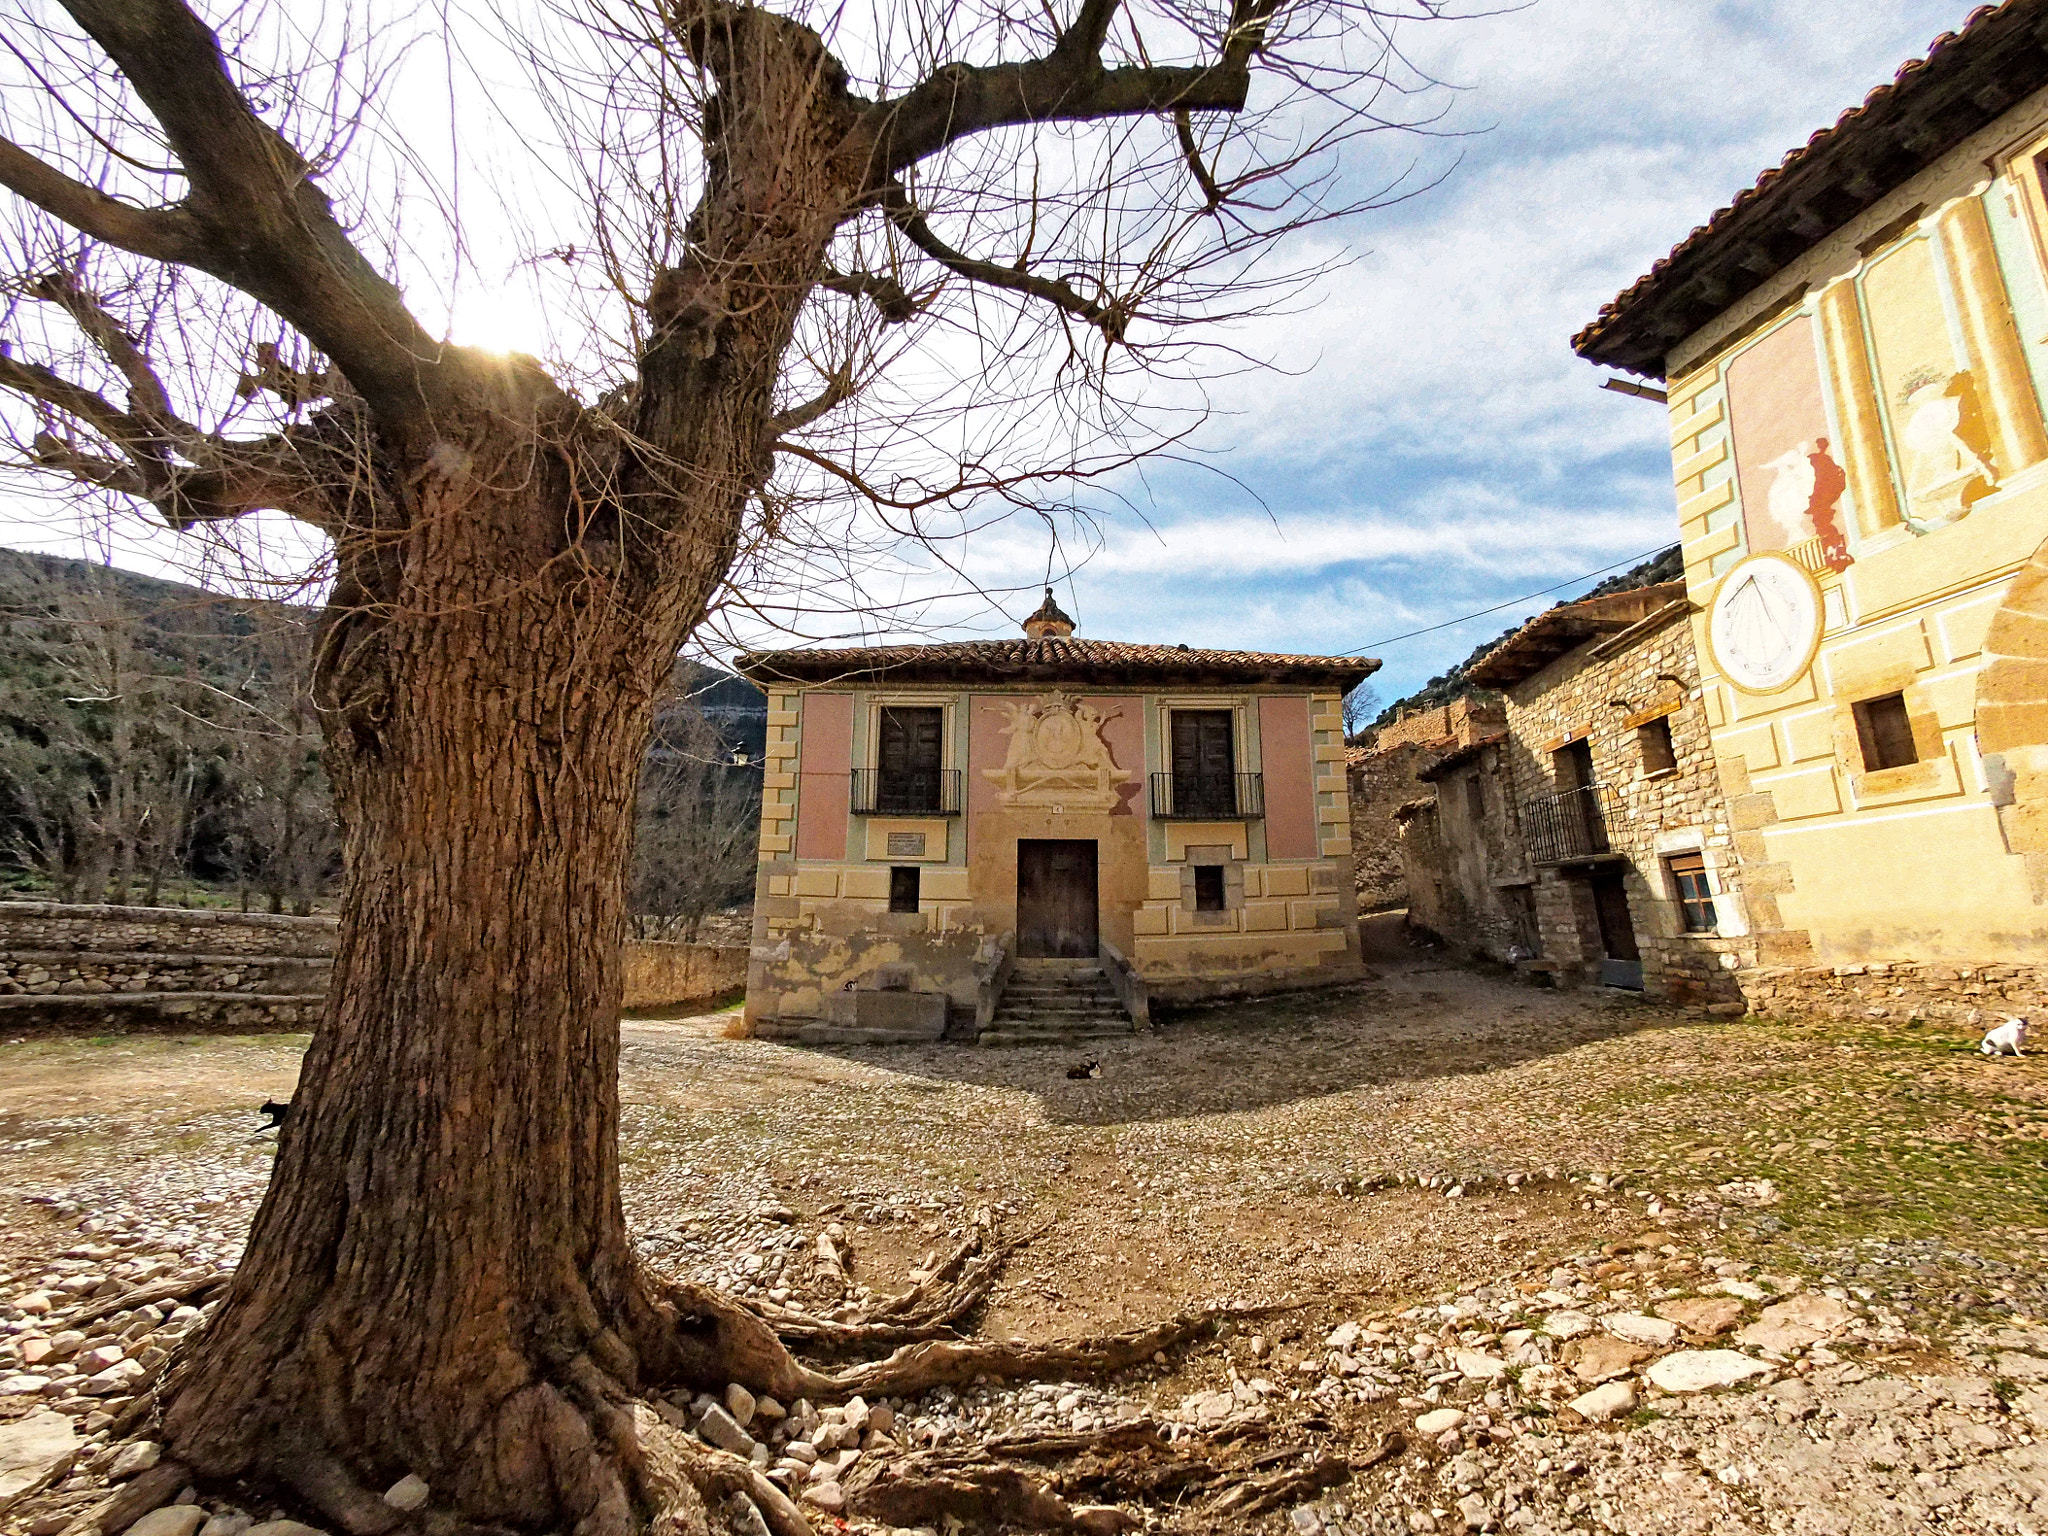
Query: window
point(1204, 763)
point(903, 883)
point(1209, 888)
point(907, 759)
point(1654, 737)
point(1885, 733)
point(1695, 897)
point(1475, 800)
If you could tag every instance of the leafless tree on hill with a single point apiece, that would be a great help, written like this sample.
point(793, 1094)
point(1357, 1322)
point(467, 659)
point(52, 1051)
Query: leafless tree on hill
point(698, 827)
point(931, 262)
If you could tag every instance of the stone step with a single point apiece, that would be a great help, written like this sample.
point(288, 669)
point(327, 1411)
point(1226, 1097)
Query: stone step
point(1041, 1011)
point(1000, 1035)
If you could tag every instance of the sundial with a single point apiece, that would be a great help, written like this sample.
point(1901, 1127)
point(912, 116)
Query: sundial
point(1765, 623)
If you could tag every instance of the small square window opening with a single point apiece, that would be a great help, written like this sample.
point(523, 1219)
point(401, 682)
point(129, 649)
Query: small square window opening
point(1208, 887)
point(1654, 737)
point(903, 886)
point(1688, 873)
point(1885, 733)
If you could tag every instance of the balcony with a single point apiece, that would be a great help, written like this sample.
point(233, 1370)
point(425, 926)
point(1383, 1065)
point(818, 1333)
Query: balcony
point(921, 792)
point(1568, 826)
point(1211, 797)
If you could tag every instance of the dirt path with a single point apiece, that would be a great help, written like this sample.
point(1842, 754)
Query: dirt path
point(1378, 1152)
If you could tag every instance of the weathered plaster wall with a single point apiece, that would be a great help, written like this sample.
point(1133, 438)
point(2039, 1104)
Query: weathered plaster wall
point(1935, 862)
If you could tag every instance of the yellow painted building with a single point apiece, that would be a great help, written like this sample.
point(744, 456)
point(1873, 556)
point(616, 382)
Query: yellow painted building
point(1036, 838)
point(1856, 357)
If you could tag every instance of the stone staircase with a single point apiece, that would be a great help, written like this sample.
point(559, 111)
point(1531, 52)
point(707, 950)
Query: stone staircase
point(1056, 1002)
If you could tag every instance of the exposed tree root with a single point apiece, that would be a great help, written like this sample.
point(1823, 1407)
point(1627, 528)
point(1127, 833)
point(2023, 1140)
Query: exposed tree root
point(1290, 1486)
point(193, 1284)
point(928, 1310)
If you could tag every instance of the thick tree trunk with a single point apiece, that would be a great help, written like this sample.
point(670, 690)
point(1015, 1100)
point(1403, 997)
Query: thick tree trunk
point(440, 1280)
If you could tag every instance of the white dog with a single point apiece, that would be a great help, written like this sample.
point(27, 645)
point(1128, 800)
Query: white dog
point(2005, 1039)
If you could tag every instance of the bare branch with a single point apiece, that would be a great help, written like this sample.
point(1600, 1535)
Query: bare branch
point(1068, 84)
point(895, 303)
point(838, 388)
point(1184, 130)
point(1111, 319)
point(263, 225)
point(162, 234)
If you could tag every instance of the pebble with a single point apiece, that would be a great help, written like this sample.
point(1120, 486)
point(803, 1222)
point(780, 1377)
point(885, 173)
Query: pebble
point(1439, 1421)
point(408, 1493)
point(718, 1428)
point(171, 1520)
point(1702, 1370)
point(740, 1403)
point(828, 1496)
point(1608, 1401)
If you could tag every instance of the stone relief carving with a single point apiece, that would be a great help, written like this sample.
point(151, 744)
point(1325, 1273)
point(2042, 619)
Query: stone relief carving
point(1057, 758)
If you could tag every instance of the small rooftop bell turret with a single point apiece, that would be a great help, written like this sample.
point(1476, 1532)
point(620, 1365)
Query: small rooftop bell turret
point(1048, 623)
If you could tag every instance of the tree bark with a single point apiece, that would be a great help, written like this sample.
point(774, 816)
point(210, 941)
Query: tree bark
point(440, 1280)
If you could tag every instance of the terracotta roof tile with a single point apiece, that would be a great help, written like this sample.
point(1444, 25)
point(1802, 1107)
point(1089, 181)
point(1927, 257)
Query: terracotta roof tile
point(1083, 662)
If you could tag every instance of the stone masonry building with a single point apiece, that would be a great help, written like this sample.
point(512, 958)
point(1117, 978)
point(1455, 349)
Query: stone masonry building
point(993, 837)
point(1588, 840)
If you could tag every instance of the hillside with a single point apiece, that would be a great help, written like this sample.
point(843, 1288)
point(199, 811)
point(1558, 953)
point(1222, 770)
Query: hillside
point(154, 734)
point(1669, 565)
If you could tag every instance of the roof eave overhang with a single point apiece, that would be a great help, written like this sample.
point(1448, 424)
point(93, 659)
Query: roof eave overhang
point(1966, 82)
point(764, 670)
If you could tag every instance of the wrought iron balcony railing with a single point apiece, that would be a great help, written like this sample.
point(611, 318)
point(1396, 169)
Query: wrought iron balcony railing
point(1569, 825)
point(921, 792)
point(1209, 797)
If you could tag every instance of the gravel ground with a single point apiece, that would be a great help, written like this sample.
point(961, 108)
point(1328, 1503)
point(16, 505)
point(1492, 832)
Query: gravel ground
point(1443, 1164)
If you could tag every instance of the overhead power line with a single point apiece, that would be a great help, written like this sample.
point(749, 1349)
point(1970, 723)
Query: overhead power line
point(1375, 645)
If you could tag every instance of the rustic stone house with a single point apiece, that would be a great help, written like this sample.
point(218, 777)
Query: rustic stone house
point(1037, 838)
point(1856, 357)
point(1589, 839)
point(1383, 774)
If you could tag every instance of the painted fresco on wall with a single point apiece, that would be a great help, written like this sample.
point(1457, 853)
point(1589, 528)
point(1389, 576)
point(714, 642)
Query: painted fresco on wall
point(1941, 441)
point(1785, 465)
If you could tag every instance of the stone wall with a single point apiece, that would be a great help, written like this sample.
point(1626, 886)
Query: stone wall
point(1456, 724)
point(660, 975)
point(87, 967)
point(1381, 782)
point(1468, 869)
point(161, 967)
point(1604, 693)
point(1900, 990)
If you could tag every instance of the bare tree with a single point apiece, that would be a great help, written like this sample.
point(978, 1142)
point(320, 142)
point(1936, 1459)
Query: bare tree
point(934, 259)
point(282, 835)
point(697, 837)
point(1362, 706)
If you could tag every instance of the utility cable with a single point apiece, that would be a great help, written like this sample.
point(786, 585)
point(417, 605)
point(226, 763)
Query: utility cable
point(1375, 645)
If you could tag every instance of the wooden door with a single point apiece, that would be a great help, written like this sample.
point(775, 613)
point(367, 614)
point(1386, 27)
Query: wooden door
point(1204, 763)
point(1623, 963)
point(1056, 900)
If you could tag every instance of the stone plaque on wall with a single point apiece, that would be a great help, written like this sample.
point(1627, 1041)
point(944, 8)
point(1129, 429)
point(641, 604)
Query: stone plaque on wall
point(906, 845)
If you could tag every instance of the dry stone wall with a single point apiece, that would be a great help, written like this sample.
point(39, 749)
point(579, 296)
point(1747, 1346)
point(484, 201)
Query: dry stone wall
point(160, 967)
point(88, 967)
point(1902, 990)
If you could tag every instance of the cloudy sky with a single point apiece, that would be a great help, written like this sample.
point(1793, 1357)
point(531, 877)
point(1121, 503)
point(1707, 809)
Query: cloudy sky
point(1438, 449)
point(1429, 447)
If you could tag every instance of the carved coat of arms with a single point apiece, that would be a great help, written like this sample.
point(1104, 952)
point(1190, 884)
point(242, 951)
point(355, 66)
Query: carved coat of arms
point(1057, 758)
